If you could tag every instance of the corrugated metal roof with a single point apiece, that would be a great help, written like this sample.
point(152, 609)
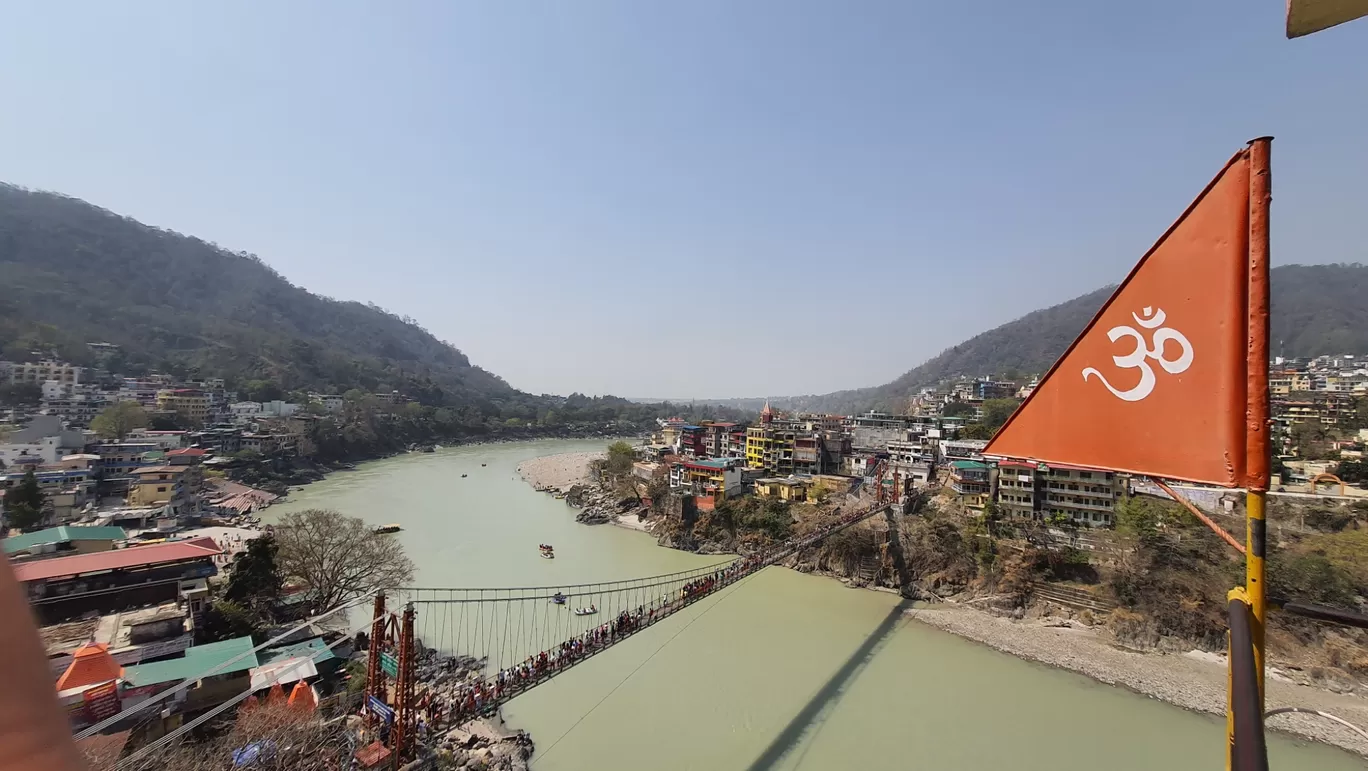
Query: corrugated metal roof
point(137, 556)
point(196, 661)
point(62, 535)
point(315, 650)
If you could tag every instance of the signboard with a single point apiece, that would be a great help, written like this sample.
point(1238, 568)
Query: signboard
point(389, 664)
point(102, 701)
point(380, 709)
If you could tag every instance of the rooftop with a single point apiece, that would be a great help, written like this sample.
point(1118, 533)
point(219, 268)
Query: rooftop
point(118, 559)
point(197, 660)
point(61, 535)
point(159, 470)
point(193, 452)
point(716, 464)
point(964, 465)
point(315, 650)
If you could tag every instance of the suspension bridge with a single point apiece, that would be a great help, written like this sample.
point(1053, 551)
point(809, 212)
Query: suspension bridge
point(453, 655)
point(446, 656)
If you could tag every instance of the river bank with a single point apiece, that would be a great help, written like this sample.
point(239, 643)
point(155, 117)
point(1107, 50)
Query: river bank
point(1194, 681)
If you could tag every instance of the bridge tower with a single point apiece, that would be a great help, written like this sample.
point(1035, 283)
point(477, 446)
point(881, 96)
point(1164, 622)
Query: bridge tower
point(405, 710)
point(375, 682)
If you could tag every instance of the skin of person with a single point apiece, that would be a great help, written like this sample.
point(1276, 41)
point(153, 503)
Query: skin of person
point(33, 732)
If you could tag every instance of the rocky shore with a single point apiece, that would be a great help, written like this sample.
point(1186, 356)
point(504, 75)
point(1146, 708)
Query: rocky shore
point(570, 477)
point(1194, 680)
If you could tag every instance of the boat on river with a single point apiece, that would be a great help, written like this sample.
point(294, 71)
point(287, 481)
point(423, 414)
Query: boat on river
point(387, 529)
point(547, 551)
point(589, 611)
point(559, 599)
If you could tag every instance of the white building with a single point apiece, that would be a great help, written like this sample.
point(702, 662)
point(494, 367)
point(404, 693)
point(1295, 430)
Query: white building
point(45, 439)
point(330, 402)
point(243, 412)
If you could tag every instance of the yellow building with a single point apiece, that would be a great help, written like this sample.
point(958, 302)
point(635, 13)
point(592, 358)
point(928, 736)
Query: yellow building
point(190, 405)
point(758, 441)
point(785, 489)
point(153, 485)
point(1300, 381)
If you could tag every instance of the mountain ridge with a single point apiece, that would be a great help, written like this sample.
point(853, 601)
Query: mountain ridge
point(1317, 309)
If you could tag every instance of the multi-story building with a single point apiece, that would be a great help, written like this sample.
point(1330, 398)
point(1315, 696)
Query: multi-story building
point(1086, 496)
point(962, 449)
point(693, 441)
point(38, 372)
point(735, 446)
point(76, 409)
point(191, 405)
point(716, 437)
point(330, 402)
point(121, 459)
point(972, 481)
point(717, 477)
point(1019, 493)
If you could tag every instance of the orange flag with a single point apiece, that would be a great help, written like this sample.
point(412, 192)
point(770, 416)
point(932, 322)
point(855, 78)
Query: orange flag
point(1156, 383)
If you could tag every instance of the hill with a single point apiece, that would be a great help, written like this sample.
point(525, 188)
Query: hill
point(74, 273)
point(1317, 309)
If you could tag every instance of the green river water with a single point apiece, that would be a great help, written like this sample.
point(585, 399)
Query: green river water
point(782, 671)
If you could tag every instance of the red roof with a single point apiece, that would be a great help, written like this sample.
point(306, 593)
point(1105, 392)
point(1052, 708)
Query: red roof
point(191, 451)
point(134, 557)
point(1071, 467)
point(1016, 464)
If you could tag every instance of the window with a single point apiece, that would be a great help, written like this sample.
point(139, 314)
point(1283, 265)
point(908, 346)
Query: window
point(161, 489)
point(1085, 475)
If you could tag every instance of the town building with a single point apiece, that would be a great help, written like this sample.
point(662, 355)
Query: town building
point(717, 477)
point(1020, 492)
point(790, 489)
point(962, 449)
point(44, 440)
point(67, 587)
point(972, 481)
point(38, 372)
point(60, 541)
point(190, 405)
point(1086, 496)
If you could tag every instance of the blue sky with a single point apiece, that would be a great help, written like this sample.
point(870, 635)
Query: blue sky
point(687, 199)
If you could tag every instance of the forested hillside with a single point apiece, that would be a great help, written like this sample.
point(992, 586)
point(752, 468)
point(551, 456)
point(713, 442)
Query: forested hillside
point(73, 273)
point(1317, 309)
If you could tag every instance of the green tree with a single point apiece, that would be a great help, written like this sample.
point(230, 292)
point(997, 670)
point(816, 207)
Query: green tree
point(620, 458)
point(24, 503)
point(225, 620)
point(255, 580)
point(20, 394)
point(118, 420)
point(976, 431)
point(997, 411)
point(957, 410)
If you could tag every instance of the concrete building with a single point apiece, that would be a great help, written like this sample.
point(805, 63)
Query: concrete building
point(962, 449)
point(791, 489)
point(717, 477)
point(1086, 496)
point(38, 372)
point(1020, 494)
point(60, 541)
point(191, 405)
point(972, 481)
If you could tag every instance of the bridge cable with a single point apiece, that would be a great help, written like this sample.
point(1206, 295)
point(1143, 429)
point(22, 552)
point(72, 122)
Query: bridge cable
point(638, 668)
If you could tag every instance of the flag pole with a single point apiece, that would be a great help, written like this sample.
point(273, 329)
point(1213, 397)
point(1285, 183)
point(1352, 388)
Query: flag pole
point(1258, 454)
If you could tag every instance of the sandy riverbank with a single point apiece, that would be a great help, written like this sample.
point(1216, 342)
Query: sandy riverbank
point(1193, 681)
point(558, 473)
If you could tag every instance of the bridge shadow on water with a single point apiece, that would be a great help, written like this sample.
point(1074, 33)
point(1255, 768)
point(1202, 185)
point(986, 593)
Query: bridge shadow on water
point(814, 714)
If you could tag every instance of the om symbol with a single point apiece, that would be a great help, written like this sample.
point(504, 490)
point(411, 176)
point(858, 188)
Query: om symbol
point(1136, 359)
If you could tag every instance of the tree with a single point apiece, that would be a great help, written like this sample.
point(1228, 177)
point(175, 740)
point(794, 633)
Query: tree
point(118, 420)
point(225, 620)
point(20, 394)
point(24, 503)
point(957, 409)
point(620, 458)
point(997, 411)
point(255, 580)
point(339, 558)
point(976, 431)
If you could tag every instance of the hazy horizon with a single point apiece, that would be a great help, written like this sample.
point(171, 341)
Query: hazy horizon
point(560, 191)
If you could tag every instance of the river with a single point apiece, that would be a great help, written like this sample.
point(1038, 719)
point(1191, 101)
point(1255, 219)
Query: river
point(783, 671)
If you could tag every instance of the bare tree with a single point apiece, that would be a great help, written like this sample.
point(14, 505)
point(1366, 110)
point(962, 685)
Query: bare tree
point(338, 557)
point(265, 736)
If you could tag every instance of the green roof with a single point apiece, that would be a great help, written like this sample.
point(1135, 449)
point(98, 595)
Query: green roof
point(197, 660)
point(61, 535)
point(315, 649)
point(963, 465)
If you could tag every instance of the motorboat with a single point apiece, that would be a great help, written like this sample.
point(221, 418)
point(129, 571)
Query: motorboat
point(589, 611)
point(463, 476)
point(387, 529)
point(558, 599)
point(547, 551)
